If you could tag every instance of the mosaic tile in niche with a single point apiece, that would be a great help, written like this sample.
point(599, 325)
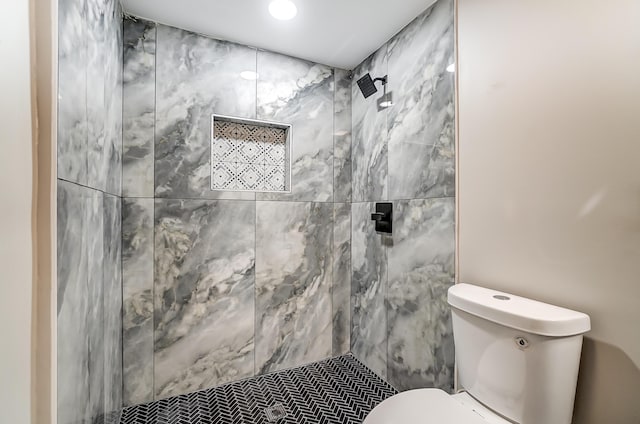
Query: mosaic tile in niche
point(248, 157)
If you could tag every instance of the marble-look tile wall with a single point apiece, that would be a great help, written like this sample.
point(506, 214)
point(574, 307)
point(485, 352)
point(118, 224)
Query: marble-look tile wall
point(196, 77)
point(293, 284)
point(421, 122)
point(138, 108)
point(341, 290)
point(407, 151)
point(203, 294)
point(90, 94)
point(300, 93)
point(137, 293)
point(112, 295)
point(89, 279)
point(368, 290)
point(223, 285)
point(342, 137)
point(89, 304)
point(420, 270)
point(369, 146)
point(400, 320)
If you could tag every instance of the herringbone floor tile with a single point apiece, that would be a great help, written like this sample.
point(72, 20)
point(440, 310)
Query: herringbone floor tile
point(335, 391)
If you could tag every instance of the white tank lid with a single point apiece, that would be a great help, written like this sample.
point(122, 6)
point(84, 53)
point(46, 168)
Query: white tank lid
point(518, 312)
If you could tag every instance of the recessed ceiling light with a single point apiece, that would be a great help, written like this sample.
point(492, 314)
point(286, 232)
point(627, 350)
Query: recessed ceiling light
point(249, 75)
point(451, 68)
point(283, 9)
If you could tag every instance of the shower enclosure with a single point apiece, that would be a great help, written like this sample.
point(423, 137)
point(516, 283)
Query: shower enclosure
point(167, 287)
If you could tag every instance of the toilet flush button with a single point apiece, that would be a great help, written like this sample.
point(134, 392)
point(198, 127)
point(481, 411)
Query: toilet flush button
point(501, 297)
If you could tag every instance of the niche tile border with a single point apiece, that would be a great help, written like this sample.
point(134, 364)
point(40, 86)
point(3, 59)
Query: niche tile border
point(250, 155)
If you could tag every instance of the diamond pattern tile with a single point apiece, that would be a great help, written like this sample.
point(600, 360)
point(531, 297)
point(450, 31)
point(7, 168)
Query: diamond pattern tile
point(250, 152)
point(224, 150)
point(223, 175)
point(275, 153)
point(274, 178)
point(335, 391)
point(256, 155)
point(250, 177)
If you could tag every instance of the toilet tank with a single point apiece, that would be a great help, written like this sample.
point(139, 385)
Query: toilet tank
point(517, 356)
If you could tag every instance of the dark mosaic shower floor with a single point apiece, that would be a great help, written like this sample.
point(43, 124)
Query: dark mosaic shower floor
point(338, 390)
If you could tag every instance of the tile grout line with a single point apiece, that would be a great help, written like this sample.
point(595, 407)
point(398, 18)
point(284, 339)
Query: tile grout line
point(386, 250)
point(87, 187)
point(251, 200)
point(153, 226)
point(121, 219)
point(333, 214)
point(255, 244)
point(255, 286)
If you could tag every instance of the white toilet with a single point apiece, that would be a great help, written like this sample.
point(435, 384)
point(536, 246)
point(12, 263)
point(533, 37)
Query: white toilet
point(517, 362)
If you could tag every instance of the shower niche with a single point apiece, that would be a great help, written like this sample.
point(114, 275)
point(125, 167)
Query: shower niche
point(250, 155)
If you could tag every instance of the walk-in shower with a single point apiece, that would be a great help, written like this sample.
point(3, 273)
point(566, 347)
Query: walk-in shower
point(202, 259)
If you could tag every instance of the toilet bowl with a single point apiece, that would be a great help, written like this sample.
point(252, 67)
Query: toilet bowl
point(517, 363)
point(432, 406)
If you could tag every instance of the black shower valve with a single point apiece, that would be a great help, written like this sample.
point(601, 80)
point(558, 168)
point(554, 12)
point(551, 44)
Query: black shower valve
point(377, 216)
point(383, 217)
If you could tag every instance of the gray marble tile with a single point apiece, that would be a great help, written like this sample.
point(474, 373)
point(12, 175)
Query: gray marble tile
point(104, 95)
point(195, 78)
point(112, 274)
point(81, 325)
point(368, 290)
point(421, 270)
point(114, 99)
point(72, 91)
point(421, 122)
point(96, 69)
point(300, 93)
point(341, 288)
point(137, 280)
point(369, 146)
point(73, 304)
point(89, 304)
point(139, 88)
point(203, 294)
point(95, 281)
point(293, 284)
point(342, 137)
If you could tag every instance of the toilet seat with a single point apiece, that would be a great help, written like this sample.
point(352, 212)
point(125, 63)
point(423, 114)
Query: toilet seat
point(428, 406)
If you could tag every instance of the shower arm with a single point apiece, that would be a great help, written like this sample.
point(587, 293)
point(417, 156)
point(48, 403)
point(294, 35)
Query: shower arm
point(383, 79)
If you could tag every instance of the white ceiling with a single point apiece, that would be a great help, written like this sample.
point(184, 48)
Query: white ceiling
point(338, 33)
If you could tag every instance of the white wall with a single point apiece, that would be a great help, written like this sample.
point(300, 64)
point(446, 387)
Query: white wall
point(549, 173)
point(15, 213)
